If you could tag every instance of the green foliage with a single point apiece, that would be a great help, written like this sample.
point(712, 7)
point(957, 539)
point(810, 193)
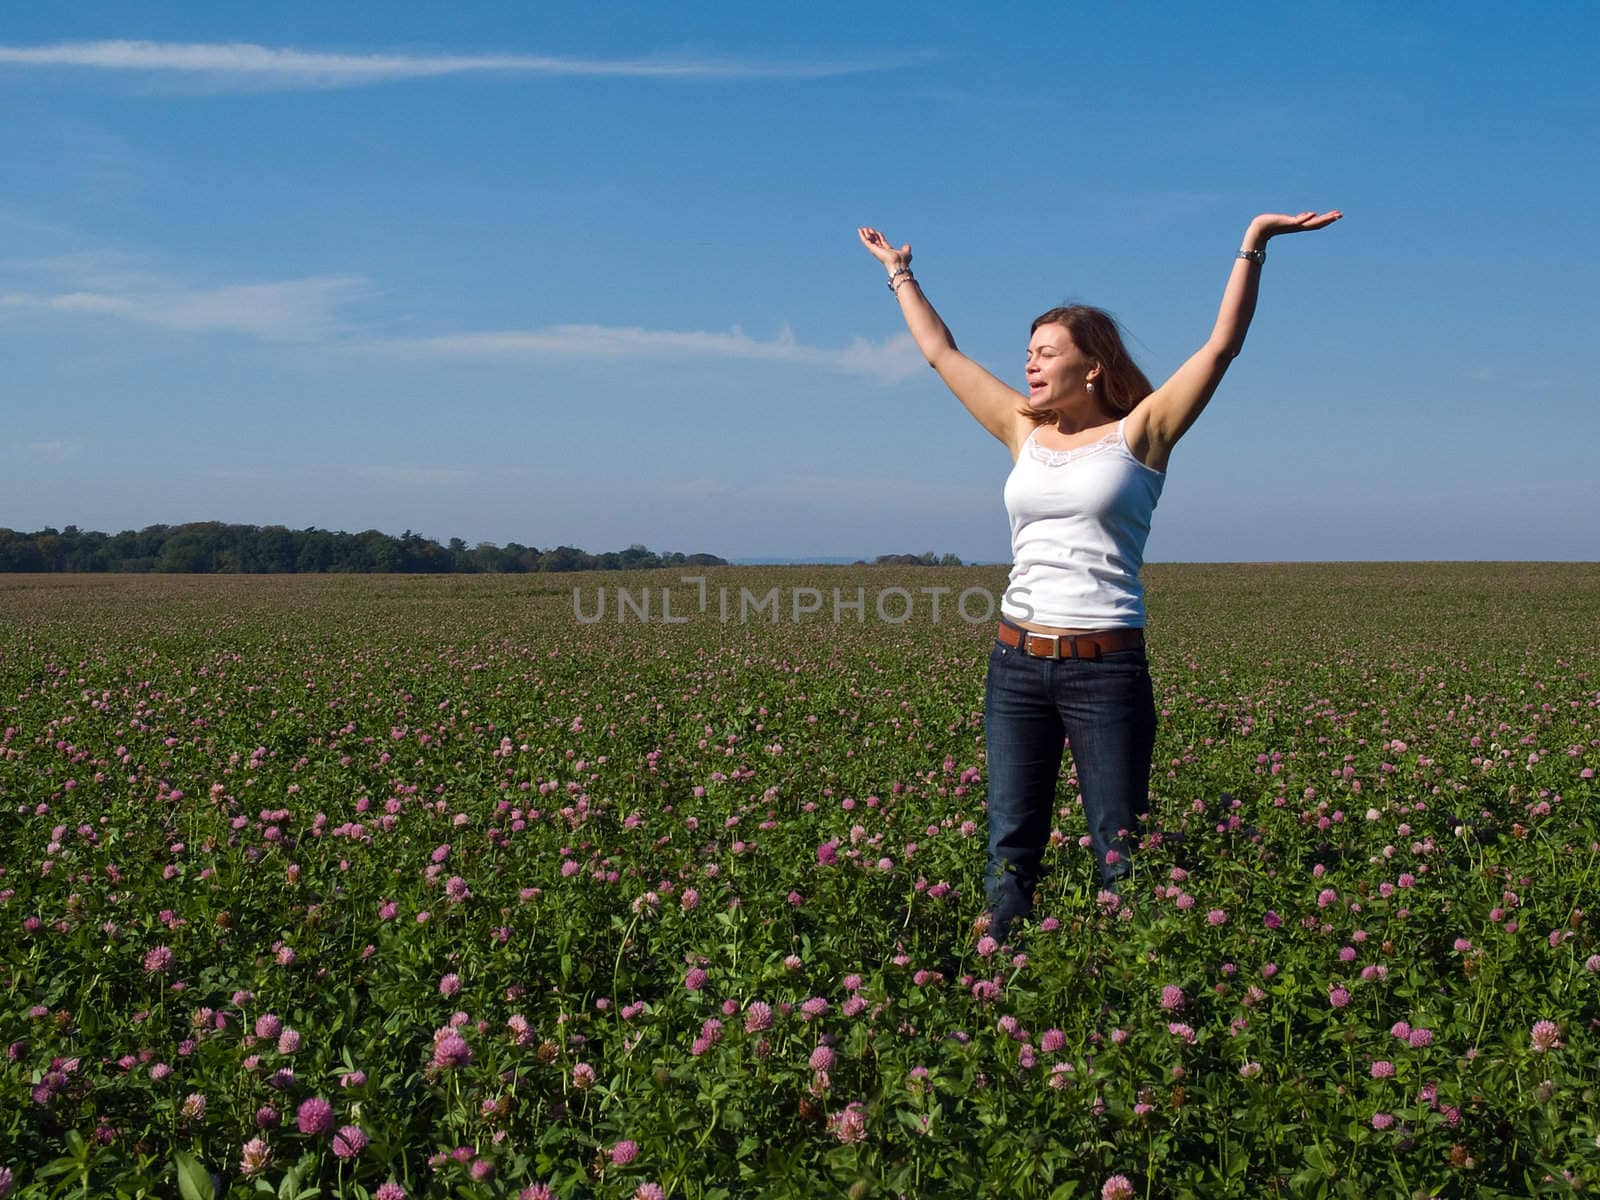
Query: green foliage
point(194, 1181)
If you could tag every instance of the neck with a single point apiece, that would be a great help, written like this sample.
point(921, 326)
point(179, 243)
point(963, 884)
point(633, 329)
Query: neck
point(1077, 419)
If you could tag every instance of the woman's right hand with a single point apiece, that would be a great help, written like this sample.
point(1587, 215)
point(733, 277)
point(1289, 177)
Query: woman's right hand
point(878, 246)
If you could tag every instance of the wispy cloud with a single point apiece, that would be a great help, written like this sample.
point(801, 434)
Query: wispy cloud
point(891, 360)
point(251, 65)
point(295, 310)
point(111, 285)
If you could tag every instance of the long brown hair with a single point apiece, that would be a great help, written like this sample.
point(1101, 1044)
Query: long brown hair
point(1096, 332)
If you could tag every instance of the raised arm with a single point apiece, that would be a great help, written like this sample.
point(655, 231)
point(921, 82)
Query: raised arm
point(1166, 414)
point(995, 405)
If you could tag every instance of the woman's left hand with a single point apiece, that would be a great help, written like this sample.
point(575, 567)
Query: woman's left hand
point(1269, 225)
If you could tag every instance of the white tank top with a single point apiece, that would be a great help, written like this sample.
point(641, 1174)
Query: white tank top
point(1079, 522)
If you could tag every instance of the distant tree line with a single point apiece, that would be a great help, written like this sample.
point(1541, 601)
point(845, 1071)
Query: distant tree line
point(213, 548)
point(929, 559)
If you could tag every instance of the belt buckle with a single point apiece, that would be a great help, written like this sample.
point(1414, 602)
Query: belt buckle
point(1028, 636)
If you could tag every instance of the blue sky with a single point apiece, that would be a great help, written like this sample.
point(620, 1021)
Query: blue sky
point(588, 274)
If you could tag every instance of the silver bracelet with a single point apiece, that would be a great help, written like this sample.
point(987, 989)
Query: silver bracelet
point(895, 275)
point(1256, 256)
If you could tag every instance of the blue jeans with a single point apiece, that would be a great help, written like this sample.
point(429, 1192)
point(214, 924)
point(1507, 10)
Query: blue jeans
point(1105, 710)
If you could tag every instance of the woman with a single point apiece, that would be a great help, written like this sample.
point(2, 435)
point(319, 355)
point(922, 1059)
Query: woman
point(1090, 441)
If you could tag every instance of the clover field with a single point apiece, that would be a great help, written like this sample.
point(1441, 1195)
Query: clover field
point(402, 886)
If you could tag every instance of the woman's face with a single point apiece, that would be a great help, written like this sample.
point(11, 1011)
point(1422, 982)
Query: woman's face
point(1057, 370)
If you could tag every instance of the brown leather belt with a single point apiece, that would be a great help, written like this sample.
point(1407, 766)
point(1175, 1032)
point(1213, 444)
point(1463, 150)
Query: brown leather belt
point(1069, 645)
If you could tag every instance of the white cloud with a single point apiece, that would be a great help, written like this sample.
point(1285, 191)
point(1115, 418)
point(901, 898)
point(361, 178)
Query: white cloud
point(290, 310)
point(269, 67)
point(118, 286)
point(892, 359)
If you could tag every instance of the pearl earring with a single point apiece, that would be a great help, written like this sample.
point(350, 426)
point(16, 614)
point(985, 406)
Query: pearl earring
point(1091, 385)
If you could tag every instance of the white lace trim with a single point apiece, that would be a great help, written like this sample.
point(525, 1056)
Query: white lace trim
point(1060, 458)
